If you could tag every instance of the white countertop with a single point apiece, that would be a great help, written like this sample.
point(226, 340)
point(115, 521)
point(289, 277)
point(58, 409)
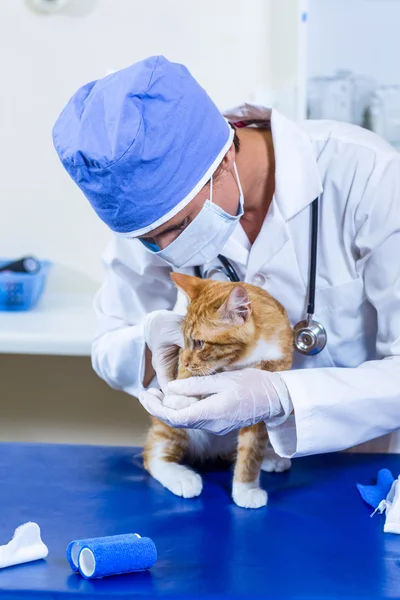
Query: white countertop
point(61, 324)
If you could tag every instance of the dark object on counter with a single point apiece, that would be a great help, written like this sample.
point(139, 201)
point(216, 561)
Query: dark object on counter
point(27, 264)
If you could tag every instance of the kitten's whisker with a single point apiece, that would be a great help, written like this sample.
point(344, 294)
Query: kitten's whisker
point(206, 372)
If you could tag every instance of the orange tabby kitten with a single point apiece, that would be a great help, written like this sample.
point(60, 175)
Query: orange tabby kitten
point(227, 326)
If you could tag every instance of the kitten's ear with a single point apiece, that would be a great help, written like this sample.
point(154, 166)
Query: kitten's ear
point(190, 285)
point(237, 306)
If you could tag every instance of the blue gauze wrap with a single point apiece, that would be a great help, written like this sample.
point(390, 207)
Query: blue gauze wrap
point(141, 143)
point(75, 546)
point(128, 554)
point(374, 494)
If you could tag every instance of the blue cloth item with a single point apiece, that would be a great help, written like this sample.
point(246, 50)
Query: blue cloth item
point(75, 547)
point(128, 554)
point(374, 494)
point(141, 143)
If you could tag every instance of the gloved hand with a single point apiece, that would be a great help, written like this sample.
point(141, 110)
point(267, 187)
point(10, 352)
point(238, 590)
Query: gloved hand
point(238, 399)
point(163, 335)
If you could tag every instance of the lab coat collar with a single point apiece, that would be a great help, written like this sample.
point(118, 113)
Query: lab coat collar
point(297, 178)
point(235, 249)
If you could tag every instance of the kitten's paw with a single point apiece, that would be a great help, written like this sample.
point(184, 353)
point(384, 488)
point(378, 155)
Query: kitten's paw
point(177, 402)
point(246, 497)
point(273, 463)
point(178, 479)
point(187, 484)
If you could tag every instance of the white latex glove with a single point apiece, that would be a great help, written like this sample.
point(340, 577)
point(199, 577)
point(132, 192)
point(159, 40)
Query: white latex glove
point(238, 399)
point(163, 335)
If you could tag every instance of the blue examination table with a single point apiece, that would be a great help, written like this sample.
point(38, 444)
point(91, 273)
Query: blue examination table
point(314, 540)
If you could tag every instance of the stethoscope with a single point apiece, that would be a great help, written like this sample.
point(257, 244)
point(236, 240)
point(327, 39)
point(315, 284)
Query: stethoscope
point(309, 335)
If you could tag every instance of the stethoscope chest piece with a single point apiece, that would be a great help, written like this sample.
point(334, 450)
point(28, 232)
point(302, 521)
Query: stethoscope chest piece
point(309, 337)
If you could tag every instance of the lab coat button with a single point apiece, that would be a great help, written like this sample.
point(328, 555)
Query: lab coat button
point(259, 279)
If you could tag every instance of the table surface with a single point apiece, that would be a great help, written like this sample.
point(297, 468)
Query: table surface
point(61, 324)
point(314, 540)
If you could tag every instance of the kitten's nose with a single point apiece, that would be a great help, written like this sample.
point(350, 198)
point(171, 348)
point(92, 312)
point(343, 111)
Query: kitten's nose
point(186, 363)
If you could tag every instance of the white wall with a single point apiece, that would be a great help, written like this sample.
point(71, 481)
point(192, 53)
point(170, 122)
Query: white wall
point(360, 35)
point(45, 58)
point(289, 33)
point(234, 49)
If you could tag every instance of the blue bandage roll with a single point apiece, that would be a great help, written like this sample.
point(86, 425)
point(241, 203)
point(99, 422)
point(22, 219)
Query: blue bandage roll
point(75, 547)
point(129, 554)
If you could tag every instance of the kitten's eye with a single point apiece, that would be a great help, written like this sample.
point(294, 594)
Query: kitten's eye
point(198, 344)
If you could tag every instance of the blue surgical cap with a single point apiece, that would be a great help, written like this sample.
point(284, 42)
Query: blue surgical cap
point(141, 143)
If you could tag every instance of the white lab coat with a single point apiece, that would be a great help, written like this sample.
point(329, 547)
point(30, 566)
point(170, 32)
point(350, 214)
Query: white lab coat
point(350, 392)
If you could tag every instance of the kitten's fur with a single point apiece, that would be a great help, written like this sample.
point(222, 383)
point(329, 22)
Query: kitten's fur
point(227, 326)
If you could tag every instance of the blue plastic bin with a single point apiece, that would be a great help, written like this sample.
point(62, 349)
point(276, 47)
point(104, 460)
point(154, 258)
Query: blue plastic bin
point(21, 291)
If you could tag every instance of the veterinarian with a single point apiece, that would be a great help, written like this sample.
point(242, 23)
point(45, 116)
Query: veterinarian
point(179, 184)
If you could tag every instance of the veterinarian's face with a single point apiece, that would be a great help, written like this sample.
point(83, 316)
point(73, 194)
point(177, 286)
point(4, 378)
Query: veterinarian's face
point(225, 195)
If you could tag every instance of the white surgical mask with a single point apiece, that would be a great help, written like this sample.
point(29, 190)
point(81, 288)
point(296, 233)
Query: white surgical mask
point(204, 238)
